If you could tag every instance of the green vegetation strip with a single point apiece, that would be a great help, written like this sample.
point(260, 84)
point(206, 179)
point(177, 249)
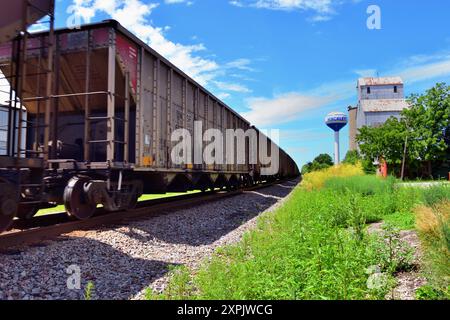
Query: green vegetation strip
point(146, 197)
point(316, 246)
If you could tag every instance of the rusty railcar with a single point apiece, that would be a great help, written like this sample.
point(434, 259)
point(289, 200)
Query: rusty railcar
point(21, 177)
point(101, 129)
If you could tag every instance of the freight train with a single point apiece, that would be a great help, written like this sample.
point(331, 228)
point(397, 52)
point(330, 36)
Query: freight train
point(101, 108)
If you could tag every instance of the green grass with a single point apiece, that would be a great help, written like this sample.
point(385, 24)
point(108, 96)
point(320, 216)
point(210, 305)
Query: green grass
point(296, 254)
point(314, 247)
point(402, 221)
point(363, 185)
point(146, 197)
point(434, 195)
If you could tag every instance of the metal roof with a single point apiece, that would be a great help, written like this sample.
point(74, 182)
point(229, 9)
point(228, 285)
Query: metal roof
point(384, 105)
point(379, 81)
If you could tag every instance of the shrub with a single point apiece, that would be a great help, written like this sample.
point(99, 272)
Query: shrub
point(434, 195)
point(321, 162)
point(394, 254)
point(316, 180)
point(179, 288)
point(89, 290)
point(352, 157)
point(433, 224)
point(434, 229)
point(364, 185)
point(430, 293)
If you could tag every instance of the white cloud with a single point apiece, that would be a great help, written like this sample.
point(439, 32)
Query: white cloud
point(435, 66)
point(282, 108)
point(188, 3)
point(288, 107)
point(294, 135)
point(240, 64)
point(223, 95)
point(321, 6)
point(324, 9)
point(364, 73)
point(235, 87)
point(134, 15)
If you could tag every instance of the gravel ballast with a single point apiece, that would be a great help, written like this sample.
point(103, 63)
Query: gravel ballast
point(122, 261)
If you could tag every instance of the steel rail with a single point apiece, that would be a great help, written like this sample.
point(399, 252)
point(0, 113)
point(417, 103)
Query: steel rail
point(49, 227)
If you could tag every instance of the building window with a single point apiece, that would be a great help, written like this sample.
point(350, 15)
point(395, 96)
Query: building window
point(368, 90)
point(395, 89)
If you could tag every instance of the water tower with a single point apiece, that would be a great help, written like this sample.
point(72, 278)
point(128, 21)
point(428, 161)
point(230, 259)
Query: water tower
point(336, 121)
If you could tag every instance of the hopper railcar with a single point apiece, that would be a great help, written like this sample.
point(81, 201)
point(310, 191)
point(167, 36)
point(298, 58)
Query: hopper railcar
point(113, 105)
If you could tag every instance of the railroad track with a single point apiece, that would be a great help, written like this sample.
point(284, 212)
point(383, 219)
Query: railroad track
point(25, 233)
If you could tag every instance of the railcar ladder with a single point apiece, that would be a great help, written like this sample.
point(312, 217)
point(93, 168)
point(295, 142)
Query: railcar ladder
point(18, 73)
point(111, 119)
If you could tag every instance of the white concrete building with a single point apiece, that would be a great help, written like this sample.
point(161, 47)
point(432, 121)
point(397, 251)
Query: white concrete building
point(378, 100)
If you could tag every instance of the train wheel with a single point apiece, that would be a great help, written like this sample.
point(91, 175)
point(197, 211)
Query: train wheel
point(134, 200)
point(76, 201)
point(6, 220)
point(26, 212)
point(8, 205)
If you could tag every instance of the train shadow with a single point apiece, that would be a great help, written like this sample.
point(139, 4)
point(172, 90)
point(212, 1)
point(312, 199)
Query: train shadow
point(48, 270)
point(122, 262)
point(206, 224)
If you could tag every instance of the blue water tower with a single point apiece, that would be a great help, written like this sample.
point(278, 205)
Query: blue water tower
point(336, 121)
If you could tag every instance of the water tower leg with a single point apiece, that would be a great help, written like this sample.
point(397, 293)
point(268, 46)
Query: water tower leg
point(337, 159)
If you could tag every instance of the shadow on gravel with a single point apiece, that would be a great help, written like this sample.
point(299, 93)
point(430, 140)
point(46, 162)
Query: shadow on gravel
point(204, 225)
point(128, 259)
point(42, 273)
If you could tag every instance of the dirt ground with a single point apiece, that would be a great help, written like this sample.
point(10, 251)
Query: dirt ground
point(407, 282)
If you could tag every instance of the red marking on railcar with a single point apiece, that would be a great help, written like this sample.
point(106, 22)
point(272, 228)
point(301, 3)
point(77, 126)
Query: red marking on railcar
point(128, 53)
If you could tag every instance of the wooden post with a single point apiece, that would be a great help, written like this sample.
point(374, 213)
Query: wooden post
point(404, 158)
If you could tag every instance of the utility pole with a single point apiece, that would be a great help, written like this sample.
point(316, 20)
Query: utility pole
point(404, 153)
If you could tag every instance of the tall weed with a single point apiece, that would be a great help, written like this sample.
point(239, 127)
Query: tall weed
point(316, 180)
point(433, 224)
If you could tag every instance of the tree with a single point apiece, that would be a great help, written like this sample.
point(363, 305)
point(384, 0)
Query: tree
point(428, 120)
point(323, 161)
point(384, 142)
point(307, 168)
point(352, 157)
point(424, 126)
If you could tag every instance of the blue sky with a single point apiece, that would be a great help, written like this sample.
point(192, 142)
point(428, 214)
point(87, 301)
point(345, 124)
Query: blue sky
point(285, 64)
